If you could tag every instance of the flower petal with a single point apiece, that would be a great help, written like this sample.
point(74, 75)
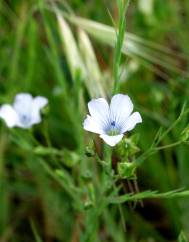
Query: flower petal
point(39, 102)
point(111, 140)
point(121, 107)
point(37, 105)
point(131, 122)
point(28, 109)
point(99, 110)
point(9, 115)
point(23, 103)
point(90, 125)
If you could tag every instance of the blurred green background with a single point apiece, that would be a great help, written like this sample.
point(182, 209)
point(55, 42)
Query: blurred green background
point(45, 49)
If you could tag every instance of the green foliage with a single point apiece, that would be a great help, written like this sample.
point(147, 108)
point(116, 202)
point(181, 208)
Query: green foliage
point(182, 237)
point(122, 8)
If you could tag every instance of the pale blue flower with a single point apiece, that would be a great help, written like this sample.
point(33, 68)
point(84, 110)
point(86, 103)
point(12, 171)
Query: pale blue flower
point(111, 121)
point(25, 111)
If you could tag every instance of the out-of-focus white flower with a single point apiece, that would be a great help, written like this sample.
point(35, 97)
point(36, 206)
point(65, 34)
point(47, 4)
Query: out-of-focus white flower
point(24, 112)
point(111, 121)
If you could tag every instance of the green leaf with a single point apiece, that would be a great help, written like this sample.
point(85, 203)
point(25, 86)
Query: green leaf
point(182, 237)
point(149, 195)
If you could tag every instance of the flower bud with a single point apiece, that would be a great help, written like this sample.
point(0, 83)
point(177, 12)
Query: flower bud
point(126, 170)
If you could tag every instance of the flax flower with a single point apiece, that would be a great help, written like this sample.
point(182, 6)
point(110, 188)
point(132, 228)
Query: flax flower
point(25, 111)
point(111, 121)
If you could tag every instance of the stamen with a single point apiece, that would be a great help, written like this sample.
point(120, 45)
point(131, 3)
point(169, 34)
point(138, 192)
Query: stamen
point(113, 130)
point(113, 123)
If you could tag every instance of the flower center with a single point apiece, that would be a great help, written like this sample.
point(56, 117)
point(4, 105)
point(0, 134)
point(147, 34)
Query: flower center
point(113, 123)
point(25, 119)
point(113, 130)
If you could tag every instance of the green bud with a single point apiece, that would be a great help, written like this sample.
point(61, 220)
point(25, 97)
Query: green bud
point(128, 147)
point(70, 158)
point(126, 170)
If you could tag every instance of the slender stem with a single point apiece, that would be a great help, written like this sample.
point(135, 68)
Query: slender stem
point(122, 8)
point(168, 146)
point(108, 155)
point(154, 148)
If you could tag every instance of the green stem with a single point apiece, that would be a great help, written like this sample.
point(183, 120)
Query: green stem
point(154, 148)
point(168, 146)
point(122, 8)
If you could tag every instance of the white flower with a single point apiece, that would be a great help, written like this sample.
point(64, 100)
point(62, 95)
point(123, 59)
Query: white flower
point(24, 112)
point(111, 121)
